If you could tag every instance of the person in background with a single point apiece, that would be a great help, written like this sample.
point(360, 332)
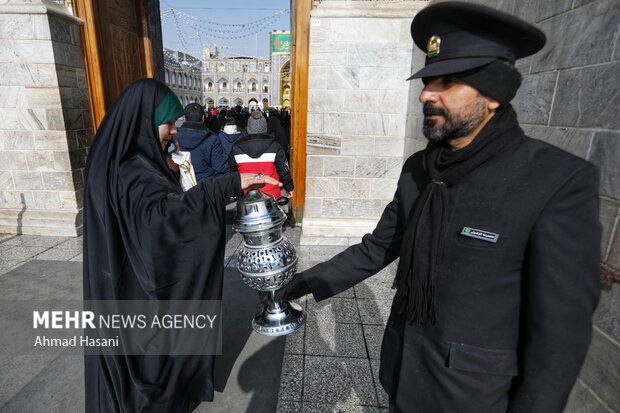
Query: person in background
point(275, 127)
point(230, 134)
point(146, 239)
point(208, 157)
point(260, 153)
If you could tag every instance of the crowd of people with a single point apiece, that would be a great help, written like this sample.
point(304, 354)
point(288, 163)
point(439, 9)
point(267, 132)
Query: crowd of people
point(225, 140)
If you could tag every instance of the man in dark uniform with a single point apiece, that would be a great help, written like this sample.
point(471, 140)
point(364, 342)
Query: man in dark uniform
point(497, 234)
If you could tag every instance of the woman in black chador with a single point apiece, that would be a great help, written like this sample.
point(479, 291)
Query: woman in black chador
point(146, 239)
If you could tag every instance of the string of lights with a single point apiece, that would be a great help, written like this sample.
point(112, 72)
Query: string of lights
point(242, 26)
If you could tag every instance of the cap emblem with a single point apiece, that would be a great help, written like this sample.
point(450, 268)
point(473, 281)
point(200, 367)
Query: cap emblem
point(433, 46)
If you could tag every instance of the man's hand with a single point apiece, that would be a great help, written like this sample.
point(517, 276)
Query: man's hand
point(255, 181)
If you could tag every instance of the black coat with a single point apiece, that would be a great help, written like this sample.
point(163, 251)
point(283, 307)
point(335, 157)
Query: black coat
point(513, 317)
point(146, 239)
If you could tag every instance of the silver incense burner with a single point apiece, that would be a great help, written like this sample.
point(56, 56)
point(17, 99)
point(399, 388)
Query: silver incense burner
point(267, 262)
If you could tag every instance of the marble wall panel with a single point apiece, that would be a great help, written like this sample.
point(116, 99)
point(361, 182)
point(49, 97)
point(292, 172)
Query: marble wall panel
point(607, 314)
point(583, 36)
point(336, 207)
point(59, 29)
point(50, 140)
point(613, 259)
point(535, 10)
point(16, 26)
point(315, 123)
point(66, 76)
point(58, 181)
point(358, 30)
point(10, 95)
point(41, 27)
point(534, 98)
point(321, 100)
point(353, 188)
point(28, 181)
point(322, 144)
point(68, 55)
point(383, 189)
point(394, 125)
point(358, 145)
point(40, 160)
point(378, 167)
point(46, 200)
point(6, 181)
point(312, 208)
point(366, 208)
point(16, 199)
point(582, 400)
point(80, 98)
point(68, 200)
point(353, 124)
point(380, 78)
point(39, 97)
point(575, 141)
point(62, 163)
point(326, 54)
point(26, 51)
point(378, 101)
point(389, 146)
point(605, 154)
point(314, 166)
point(585, 98)
point(378, 54)
point(13, 161)
point(321, 187)
point(338, 166)
point(12, 74)
point(320, 33)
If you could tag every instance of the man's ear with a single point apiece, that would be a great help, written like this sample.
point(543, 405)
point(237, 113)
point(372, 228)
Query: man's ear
point(492, 105)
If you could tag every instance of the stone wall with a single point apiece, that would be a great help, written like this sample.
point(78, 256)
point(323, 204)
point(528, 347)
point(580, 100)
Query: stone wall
point(358, 107)
point(45, 119)
point(570, 99)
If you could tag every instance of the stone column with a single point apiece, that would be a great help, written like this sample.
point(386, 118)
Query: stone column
point(45, 119)
point(361, 122)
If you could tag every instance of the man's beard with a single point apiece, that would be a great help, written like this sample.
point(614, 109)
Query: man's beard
point(455, 125)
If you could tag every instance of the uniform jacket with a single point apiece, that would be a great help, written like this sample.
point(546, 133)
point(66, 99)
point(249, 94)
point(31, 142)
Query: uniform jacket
point(208, 157)
point(227, 140)
point(258, 153)
point(513, 317)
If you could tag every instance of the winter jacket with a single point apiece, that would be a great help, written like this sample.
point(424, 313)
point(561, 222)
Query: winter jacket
point(227, 140)
point(258, 153)
point(208, 157)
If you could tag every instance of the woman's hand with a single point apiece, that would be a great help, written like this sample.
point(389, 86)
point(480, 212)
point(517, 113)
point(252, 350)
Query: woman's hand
point(254, 181)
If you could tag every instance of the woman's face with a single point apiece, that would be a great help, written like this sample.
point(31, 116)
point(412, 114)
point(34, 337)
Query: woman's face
point(167, 132)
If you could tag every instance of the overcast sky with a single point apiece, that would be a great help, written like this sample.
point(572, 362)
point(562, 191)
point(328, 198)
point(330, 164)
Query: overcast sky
point(193, 14)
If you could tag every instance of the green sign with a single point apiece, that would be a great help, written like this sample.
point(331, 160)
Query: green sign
point(280, 43)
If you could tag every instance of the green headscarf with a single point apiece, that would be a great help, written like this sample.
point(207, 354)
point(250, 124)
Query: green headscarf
point(168, 109)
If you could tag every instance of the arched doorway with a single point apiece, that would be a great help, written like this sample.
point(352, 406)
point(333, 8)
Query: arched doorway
point(285, 84)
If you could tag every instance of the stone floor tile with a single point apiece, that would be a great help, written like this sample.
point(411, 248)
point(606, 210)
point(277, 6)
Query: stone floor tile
point(79, 258)
point(4, 237)
point(334, 339)
point(332, 380)
point(374, 311)
point(49, 241)
point(291, 379)
point(7, 265)
point(21, 253)
point(285, 406)
point(58, 254)
point(374, 290)
point(72, 242)
point(348, 293)
point(336, 310)
point(384, 400)
point(373, 335)
point(338, 408)
point(20, 239)
point(295, 342)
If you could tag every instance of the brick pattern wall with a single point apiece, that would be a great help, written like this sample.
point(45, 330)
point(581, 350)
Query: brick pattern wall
point(45, 123)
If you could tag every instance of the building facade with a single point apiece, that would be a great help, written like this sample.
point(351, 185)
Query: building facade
point(280, 56)
point(232, 81)
point(183, 74)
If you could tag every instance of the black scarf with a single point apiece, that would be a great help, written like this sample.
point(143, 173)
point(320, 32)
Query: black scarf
point(423, 238)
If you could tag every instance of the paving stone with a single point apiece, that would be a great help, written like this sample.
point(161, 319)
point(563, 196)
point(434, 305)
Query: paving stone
point(373, 335)
point(19, 240)
point(72, 242)
point(334, 339)
point(285, 406)
point(295, 341)
point(291, 379)
point(338, 408)
point(333, 310)
point(49, 242)
point(384, 400)
point(374, 290)
point(374, 311)
point(333, 380)
point(58, 254)
point(78, 258)
point(21, 253)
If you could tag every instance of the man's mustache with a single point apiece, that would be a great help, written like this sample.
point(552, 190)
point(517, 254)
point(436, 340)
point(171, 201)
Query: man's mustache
point(429, 109)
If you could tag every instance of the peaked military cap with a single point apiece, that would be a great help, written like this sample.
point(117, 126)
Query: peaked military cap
point(459, 36)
